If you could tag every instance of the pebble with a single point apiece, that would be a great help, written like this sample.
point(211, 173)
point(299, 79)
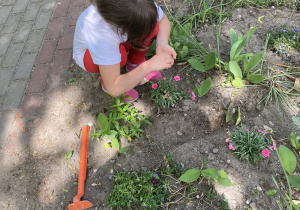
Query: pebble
point(267, 128)
point(228, 161)
point(211, 157)
point(215, 150)
point(111, 171)
point(258, 188)
point(271, 123)
point(253, 206)
point(247, 202)
point(112, 161)
point(179, 133)
point(95, 170)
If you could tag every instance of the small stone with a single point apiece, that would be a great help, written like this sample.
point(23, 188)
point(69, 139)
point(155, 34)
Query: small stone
point(258, 188)
point(215, 150)
point(211, 157)
point(271, 123)
point(111, 171)
point(112, 161)
point(193, 137)
point(247, 202)
point(272, 7)
point(267, 128)
point(228, 161)
point(179, 133)
point(95, 170)
point(239, 16)
point(253, 206)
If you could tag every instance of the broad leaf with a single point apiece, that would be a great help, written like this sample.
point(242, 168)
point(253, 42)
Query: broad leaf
point(176, 45)
point(233, 37)
point(68, 155)
point(184, 51)
point(196, 64)
point(176, 31)
point(238, 120)
point(190, 175)
point(254, 61)
point(271, 192)
point(237, 48)
point(224, 182)
point(115, 143)
point(102, 121)
point(210, 60)
point(124, 149)
point(296, 121)
point(255, 78)
point(223, 174)
point(211, 172)
point(237, 83)
point(295, 140)
point(186, 29)
point(287, 159)
point(235, 69)
point(107, 145)
point(204, 88)
point(240, 57)
point(250, 32)
point(229, 112)
point(295, 181)
point(112, 134)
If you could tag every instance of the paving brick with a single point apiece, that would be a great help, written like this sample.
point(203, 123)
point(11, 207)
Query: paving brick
point(78, 2)
point(43, 20)
point(32, 11)
point(1, 58)
point(5, 78)
point(1, 26)
point(73, 15)
point(47, 51)
point(38, 80)
point(35, 40)
point(61, 9)
point(8, 2)
point(25, 66)
point(4, 13)
point(67, 38)
point(5, 40)
point(62, 61)
point(23, 31)
point(49, 4)
point(13, 55)
point(30, 105)
point(20, 6)
point(6, 122)
point(14, 95)
point(55, 28)
point(12, 23)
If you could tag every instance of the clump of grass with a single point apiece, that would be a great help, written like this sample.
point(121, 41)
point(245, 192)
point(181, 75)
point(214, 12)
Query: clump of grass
point(283, 40)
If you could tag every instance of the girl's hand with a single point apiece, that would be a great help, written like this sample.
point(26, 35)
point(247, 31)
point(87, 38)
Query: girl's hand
point(166, 48)
point(160, 61)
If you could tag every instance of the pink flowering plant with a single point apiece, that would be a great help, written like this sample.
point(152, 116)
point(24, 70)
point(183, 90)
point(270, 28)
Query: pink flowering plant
point(250, 144)
point(165, 94)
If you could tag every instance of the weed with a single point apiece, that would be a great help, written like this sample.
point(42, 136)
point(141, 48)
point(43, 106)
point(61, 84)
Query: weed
point(223, 205)
point(76, 78)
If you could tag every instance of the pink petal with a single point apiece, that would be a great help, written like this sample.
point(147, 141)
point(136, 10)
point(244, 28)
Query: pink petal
point(177, 78)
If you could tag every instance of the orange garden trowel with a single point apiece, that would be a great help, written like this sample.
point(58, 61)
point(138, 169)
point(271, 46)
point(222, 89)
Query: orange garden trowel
point(77, 204)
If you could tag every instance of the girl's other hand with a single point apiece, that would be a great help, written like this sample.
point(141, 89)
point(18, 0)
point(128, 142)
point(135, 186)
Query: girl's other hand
point(166, 48)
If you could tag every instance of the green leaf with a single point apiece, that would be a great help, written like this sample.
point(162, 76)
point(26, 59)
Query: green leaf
point(184, 51)
point(211, 172)
point(295, 140)
point(237, 83)
point(238, 120)
point(196, 64)
point(254, 61)
point(223, 174)
point(190, 175)
point(229, 112)
point(106, 145)
point(68, 155)
point(124, 149)
point(204, 88)
point(236, 49)
point(102, 121)
point(250, 32)
point(176, 45)
point(287, 159)
point(210, 60)
point(176, 30)
point(224, 182)
point(296, 121)
point(115, 143)
point(233, 37)
point(271, 192)
point(235, 69)
point(254, 78)
point(243, 56)
point(186, 29)
point(295, 181)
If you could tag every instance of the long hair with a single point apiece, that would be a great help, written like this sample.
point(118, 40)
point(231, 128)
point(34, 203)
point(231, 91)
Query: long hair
point(136, 18)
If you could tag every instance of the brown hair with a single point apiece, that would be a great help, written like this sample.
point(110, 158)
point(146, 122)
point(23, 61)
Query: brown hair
point(136, 18)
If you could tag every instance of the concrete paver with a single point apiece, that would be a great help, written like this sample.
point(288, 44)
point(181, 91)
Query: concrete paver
point(13, 54)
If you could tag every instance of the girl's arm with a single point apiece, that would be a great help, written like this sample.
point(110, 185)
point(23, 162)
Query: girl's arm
point(162, 37)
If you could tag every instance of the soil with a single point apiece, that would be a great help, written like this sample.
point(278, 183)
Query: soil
point(192, 131)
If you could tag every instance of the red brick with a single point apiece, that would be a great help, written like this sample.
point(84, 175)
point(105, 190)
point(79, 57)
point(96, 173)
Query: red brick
point(38, 79)
point(47, 52)
point(61, 9)
point(62, 61)
point(66, 41)
point(29, 106)
point(73, 15)
point(55, 28)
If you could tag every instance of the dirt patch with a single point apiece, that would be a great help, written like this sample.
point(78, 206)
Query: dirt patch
point(39, 177)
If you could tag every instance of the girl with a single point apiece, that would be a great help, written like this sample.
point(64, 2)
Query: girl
point(109, 29)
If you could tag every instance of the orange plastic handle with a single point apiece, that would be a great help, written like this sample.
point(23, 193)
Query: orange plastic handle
point(82, 163)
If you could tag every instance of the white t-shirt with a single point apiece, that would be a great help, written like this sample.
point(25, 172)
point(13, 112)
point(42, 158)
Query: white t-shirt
point(102, 40)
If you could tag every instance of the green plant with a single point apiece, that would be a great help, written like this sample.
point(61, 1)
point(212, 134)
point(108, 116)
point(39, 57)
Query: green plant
point(76, 78)
point(249, 60)
point(165, 94)
point(172, 167)
point(145, 191)
point(295, 138)
point(223, 205)
point(204, 87)
point(249, 144)
point(122, 121)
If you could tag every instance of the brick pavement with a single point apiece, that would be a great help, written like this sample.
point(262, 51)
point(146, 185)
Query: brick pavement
point(36, 38)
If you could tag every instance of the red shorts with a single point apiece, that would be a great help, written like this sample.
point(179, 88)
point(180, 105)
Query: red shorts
point(135, 56)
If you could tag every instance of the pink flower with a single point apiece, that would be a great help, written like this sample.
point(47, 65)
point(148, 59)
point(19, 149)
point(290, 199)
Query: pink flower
point(193, 96)
point(154, 85)
point(274, 142)
point(264, 133)
point(266, 153)
point(227, 140)
point(189, 91)
point(177, 78)
point(173, 105)
point(247, 129)
point(230, 146)
point(260, 131)
point(164, 78)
